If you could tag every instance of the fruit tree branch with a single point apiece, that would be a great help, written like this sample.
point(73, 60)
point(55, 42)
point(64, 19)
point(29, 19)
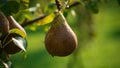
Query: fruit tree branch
point(26, 23)
point(32, 21)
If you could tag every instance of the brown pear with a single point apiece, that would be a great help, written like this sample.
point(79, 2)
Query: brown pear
point(4, 24)
point(60, 39)
point(4, 28)
point(11, 48)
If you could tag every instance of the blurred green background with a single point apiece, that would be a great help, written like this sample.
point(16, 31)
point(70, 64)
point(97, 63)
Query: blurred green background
point(98, 36)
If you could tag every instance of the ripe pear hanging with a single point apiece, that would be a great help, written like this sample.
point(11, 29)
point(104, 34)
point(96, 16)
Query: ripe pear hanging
point(60, 39)
point(4, 28)
point(4, 24)
point(11, 47)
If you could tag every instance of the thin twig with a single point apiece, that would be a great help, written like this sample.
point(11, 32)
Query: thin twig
point(58, 5)
point(41, 17)
point(32, 21)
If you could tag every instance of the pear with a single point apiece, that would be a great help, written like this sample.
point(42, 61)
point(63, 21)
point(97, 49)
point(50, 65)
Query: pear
point(4, 28)
point(11, 47)
point(4, 24)
point(60, 39)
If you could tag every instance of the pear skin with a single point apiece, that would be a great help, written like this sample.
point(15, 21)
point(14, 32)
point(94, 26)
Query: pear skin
point(60, 39)
point(4, 23)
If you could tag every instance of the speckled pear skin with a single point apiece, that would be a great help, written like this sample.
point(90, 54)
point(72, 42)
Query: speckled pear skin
point(60, 39)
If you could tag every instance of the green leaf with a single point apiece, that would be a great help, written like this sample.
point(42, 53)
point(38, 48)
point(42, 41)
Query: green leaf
point(50, 7)
point(11, 7)
point(92, 6)
point(29, 16)
point(14, 31)
point(24, 4)
point(32, 27)
point(20, 42)
point(65, 13)
point(17, 31)
point(2, 2)
point(47, 19)
point(23, 14)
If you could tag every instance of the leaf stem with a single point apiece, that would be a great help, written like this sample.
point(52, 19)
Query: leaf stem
point(58, 5)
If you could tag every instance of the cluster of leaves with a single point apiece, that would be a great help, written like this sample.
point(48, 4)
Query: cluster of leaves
point(10, 7)
point(17, 7)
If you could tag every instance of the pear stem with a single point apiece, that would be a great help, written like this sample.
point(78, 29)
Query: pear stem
point(26, 23)
point(58, 5)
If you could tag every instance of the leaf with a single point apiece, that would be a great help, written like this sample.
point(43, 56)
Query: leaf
point(2, 2)
point(92, 6)
point(32, 27)
point(23, 14)
point(14, 31)
point(65, 13)
point(17, 31)
point(10, 7)
point(50, 7)
point(46, 20)
point(20, 42)
point(29, 16)
point(24, 4)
